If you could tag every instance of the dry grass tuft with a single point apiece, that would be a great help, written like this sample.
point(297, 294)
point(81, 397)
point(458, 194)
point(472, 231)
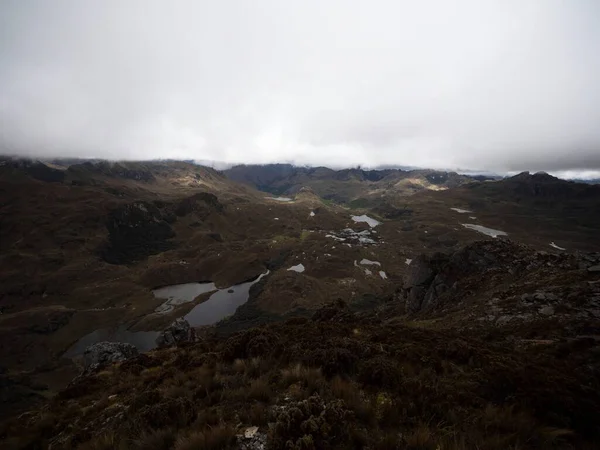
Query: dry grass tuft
point(260, 390)
point(403, 388)
point(106, 441)
point(155, 440)
point(420, 438)
point(216, 438)
point(299, 373)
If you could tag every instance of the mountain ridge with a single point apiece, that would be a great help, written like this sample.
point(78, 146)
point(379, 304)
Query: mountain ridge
point(343, 185)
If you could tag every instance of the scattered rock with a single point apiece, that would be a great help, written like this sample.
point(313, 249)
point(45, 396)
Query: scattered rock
point(251, 439)
point(250, 432)
point(503, 320)
point(351, 237)
point(178, 332)
point(547, 311)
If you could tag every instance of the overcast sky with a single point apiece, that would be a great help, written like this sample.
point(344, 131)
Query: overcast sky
point(499, 85)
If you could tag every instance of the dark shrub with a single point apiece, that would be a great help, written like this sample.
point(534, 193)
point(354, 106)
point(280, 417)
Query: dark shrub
point(170, 412)
point(380, 372)
point(145, 398)
point(311, 424)
point(336, 361)
point(258, 346)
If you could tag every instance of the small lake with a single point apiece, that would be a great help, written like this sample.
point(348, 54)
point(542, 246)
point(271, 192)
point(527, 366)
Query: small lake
point(485, 230)
point(220, 304)
point(460, 210)
point(297, 268)
point(369, 220)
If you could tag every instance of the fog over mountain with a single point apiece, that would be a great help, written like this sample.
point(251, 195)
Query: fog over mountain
point(472, 84)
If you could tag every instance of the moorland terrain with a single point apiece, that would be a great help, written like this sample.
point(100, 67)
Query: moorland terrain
point(396, 327)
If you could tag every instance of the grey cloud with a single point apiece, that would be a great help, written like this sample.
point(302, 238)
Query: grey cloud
point(473, 84)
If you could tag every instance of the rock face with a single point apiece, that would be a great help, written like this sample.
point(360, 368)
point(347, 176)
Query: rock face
point(504, 283)
point(419, 278)
point(104, 353)
point(136, 231)
point(429, 278)
point(178, 332)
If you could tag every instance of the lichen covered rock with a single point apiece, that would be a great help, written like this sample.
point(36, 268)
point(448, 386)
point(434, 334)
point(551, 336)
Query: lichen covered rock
point(178, 332)
point(104, 353)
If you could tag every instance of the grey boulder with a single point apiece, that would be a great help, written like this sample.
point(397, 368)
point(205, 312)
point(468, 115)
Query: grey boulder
point(178, 332)
point(105, 353)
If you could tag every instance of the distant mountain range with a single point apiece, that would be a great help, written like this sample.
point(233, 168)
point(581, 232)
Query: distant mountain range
point(345, 185)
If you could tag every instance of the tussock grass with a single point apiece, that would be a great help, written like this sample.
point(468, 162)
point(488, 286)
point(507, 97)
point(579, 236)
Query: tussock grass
point(216, 438)
point(322, 386)
point(301, 374)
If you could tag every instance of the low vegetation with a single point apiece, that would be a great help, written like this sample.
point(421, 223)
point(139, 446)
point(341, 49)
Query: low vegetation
point(338, 380)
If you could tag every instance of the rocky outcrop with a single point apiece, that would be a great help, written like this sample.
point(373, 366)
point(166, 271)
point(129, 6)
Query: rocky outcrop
point(178, 332)
point(420, 275)
point(589, 261)
point(430, 278)
point(104, 353)
point(136, 231)
point(202, 204)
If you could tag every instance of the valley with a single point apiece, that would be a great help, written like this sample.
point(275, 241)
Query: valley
point(271, 265)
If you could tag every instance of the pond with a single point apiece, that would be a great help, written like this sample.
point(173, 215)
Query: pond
point(485, 230)
point(281, 199)
point(369, 220)
point(219, 305)
point(460, 210)
point(297, 268)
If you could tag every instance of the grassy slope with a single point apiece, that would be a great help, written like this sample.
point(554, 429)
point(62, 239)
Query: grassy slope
point(336, 381)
